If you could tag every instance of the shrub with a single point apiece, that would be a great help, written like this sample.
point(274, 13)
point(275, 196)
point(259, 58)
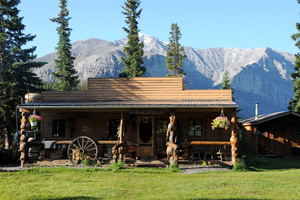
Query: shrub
point(240, 165)
point(174, 168)
point(115, 167)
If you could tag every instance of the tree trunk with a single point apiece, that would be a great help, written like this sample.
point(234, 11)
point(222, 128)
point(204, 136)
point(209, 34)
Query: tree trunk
point(7, 141)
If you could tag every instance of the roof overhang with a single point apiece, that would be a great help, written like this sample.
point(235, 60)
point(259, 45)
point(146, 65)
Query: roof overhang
point(265, 118)
point(132, 104)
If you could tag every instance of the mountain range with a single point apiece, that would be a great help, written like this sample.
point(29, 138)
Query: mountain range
point(258, 74)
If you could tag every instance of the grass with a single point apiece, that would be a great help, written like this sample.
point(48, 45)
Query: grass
point(150, 183)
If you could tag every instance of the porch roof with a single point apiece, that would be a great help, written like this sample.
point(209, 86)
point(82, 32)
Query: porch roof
point(132, 104)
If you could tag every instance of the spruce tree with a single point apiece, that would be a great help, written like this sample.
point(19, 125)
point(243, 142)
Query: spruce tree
point(66, 76)
point(226, 81)
point(16, 64)
point(175, 53)
point(133, 62)
point(226, 84)
point(294, 104)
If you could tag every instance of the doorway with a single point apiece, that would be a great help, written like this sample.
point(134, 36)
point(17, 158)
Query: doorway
point(145, 140)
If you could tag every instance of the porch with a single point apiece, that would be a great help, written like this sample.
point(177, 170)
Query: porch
point(144, 106)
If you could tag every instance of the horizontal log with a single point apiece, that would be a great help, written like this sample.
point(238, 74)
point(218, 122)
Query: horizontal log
point(206, 143)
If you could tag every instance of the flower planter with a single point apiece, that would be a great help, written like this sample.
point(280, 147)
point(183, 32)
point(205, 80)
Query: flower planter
point(33, 123)
point(33, 119)
point(220, 122)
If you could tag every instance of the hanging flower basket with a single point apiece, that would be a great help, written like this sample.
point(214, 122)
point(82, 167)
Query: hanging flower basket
point(34, 119)
point(33, 123)
point(220, 122)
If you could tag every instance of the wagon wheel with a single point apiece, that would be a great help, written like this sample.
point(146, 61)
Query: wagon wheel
point(82, 147)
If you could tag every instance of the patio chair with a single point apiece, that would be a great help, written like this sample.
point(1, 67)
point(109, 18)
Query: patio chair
point(209, 153)
point(197, 151)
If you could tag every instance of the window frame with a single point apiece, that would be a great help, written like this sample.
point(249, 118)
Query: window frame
point(110, 133)
point(297, 135)
point(194, 131)
point(54, 127)
point(156, 128)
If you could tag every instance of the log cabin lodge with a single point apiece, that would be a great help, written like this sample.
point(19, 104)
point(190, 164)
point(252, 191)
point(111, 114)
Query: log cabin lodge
point(145, 104)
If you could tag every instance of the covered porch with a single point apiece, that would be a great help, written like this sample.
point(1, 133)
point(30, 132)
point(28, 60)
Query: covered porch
point(145, 115)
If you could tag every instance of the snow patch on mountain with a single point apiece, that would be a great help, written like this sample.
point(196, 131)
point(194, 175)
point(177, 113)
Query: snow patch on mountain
point(262, 74)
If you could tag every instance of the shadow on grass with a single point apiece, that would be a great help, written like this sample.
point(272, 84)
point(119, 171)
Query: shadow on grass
point(255, 163)
point(228, 199)
point(75, 198)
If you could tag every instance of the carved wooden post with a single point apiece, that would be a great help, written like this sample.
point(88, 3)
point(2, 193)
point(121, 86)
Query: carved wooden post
point(172, 148)
point(121, 129)
point(120, 149)
point(233, 139)
point(23, 139)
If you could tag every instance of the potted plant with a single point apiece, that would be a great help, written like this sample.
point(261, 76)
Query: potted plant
point(220, 122)
point(33, 119)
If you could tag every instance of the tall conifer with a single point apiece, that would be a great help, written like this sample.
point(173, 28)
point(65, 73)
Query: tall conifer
point(226, 83)
point(294, 104)
point(133, 62)
point(175, 53)
point(66, 75)
point(16, 64)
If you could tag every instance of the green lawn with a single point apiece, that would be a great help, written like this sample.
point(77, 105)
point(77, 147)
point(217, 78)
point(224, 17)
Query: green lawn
point(91, 183)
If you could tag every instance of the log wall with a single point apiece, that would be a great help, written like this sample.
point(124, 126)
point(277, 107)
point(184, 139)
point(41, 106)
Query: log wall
point(95, 124)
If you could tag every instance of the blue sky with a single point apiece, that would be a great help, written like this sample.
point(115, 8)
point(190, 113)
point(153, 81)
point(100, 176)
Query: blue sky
point(204, 24)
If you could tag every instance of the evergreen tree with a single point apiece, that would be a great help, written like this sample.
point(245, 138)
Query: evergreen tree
point(66, 75)
point(16, 64)
point(133, 62)
point(294, 104)
point(175, 53)
point(226, 83)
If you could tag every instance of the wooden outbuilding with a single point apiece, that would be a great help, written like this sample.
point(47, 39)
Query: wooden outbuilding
point(144, 105)
point(272, 134)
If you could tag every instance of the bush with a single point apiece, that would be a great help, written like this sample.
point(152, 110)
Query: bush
point(115, 167)
point(240, 165)
point(174, 168)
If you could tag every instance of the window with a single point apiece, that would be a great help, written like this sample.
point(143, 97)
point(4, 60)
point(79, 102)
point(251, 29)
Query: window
point(195, 127)
point(59, 128)
point(113, 125)
point(161, 127)
point(296, 132)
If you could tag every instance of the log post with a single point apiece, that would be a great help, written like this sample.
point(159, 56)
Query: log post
point(172, 147)
point(233, 139)
point(121, 129)
point(120, 149)
point(23, 139)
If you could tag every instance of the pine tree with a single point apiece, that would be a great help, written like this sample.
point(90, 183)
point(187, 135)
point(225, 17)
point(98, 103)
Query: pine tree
point(66, 75)
point(133, 62)
point(294, 104)
point(16, 64)
point(175, 53)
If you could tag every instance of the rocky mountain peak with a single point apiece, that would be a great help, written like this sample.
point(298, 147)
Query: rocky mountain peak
point(258, 74)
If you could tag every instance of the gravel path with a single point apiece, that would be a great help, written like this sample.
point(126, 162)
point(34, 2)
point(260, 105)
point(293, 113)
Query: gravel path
point(186, 169)
point(201, 168)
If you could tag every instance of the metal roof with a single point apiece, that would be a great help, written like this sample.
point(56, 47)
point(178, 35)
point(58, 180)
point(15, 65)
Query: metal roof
point(132, 104)
point(264, 118)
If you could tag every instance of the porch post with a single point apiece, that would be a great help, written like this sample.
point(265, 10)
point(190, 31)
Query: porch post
point(233, 138)
point(23, 139)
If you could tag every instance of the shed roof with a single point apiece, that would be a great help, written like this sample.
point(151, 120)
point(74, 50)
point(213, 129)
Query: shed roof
point(265, 118)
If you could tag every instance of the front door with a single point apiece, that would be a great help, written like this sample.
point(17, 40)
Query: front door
point(145, 140)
